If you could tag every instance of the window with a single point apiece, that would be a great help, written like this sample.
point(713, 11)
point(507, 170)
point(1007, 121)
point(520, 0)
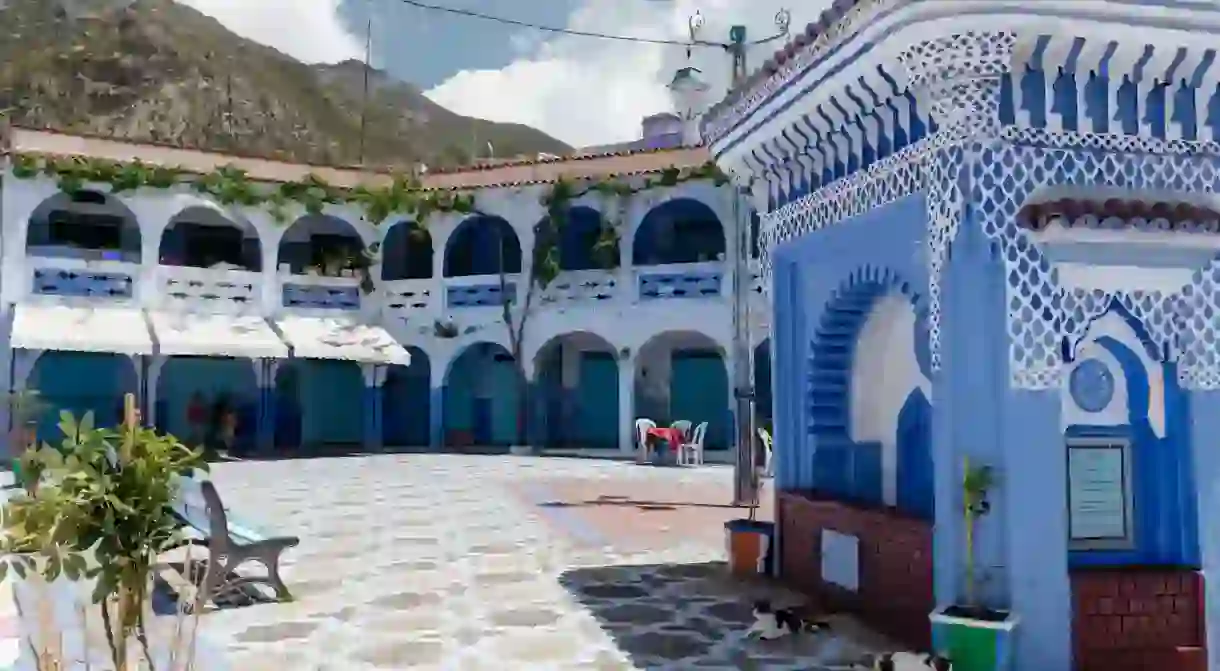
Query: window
point(326, 248)
point(1100, 497)
point(206, 246)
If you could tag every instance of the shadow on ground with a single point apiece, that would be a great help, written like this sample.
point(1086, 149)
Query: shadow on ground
point(627, 501)
point(174, 589)
point(688, 615)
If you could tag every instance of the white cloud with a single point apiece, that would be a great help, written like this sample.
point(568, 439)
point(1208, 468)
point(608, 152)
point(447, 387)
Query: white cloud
point(586, 91)
point(307, 30)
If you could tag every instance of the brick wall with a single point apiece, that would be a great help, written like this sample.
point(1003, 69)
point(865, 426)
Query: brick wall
point(1138, 619)
point(895, 595)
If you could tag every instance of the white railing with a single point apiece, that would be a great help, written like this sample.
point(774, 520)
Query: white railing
point(81, 278)
point(708, 279)
point(317, 292)
point(478, 291)
point(209, 290)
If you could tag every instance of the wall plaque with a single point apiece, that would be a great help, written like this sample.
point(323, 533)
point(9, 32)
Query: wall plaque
point(1099, 494)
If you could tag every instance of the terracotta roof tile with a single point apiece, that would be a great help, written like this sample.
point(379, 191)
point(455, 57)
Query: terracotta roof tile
point(1037, 216)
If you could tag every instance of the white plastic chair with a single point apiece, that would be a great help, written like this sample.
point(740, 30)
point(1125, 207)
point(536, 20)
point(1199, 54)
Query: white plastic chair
point(765, 437)
point(692, 452)
point(641, 436)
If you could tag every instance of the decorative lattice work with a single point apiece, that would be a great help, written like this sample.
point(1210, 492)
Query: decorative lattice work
point(1007, 167)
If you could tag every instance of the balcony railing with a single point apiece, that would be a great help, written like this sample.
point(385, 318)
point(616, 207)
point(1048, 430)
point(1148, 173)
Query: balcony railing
point(78, 278)
point(408, 298)
point(320, 293)
point(479, 291)
point(208, 289)
point(685, 280)
point(581, 287)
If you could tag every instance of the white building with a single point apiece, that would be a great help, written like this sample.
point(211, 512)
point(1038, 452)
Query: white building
point(167, 291)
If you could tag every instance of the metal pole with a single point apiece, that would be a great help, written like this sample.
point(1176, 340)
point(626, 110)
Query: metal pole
point(364, 92)
point(745, 480)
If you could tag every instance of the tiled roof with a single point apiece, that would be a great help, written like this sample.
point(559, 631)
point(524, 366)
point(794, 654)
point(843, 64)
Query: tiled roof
point(829, 17)
point(1038, 215)
point(499, 174)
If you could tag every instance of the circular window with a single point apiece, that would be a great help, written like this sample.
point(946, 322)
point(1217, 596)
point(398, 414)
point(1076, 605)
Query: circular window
point(1092, 385)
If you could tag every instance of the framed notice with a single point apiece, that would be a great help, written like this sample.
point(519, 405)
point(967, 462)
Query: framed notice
point(1100, 499)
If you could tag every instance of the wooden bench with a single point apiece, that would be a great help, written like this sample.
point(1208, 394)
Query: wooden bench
point(230, 544)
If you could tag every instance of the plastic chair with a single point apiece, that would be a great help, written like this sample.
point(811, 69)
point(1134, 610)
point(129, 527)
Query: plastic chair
point(641, 436)
point(683, 426)
point(692, 452)
point(765, 437)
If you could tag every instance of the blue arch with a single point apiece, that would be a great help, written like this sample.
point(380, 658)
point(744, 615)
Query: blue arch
point(681, 230)
point(578, 239)
point(406, 252)
point(59, 215)
point(224, 380)
point(407, 401)
point(319, 403)
point(479, 244)
point(212, 237)
point(844, 467)
point(81, 382)
point(480, 397)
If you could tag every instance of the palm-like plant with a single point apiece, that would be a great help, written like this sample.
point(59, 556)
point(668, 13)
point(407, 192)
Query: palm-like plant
point(977, 482)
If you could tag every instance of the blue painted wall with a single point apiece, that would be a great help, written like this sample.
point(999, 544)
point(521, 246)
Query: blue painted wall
point(699, 392)
point(407, 395)
point(212, 377)
point(81, 382)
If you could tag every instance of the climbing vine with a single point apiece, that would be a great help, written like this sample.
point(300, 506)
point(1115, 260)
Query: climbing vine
point(402, 195)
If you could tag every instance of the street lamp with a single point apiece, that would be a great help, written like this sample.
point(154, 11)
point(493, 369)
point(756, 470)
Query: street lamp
point(745, 481)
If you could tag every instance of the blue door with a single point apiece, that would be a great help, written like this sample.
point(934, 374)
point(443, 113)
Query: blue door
point(597, 400)
point(699, 392)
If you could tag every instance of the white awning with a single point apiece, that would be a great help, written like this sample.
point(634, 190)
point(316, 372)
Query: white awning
point(193, 334)
point(341, 338)
point(110, 330)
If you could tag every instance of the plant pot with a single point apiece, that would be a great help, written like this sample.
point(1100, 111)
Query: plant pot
point(974, 643)
point(750, 544)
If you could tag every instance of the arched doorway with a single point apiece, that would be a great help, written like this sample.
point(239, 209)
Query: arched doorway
point(319, 402)
point(762, 384)
point(81, 382)
point(682, 230)
point(681, 375)
point(221, 383)
point(480, 397)
point(85, 224)
point(319, 244)
point(482, 245)
point(407, 395)
point(576, 392)
point(406, 253)
point(202, 237)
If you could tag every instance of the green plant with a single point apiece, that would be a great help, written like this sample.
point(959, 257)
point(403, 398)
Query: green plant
point(105, 494)
point(977, 482)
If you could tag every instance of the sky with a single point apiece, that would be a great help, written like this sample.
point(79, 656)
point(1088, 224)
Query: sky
point(583, 91)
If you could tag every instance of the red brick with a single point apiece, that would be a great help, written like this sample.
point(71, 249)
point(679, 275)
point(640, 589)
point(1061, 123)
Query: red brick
point(1154, 624)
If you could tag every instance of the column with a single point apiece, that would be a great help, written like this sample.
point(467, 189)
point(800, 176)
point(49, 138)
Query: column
point(1204, 412)
point(265, 372)
point(626, 404)
point(152, 414)
point(436, 405)
point(374, 378)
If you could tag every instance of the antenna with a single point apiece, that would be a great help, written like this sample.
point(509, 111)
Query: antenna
point(368, 57)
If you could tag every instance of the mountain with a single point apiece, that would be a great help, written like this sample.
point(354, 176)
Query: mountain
point(155, 70)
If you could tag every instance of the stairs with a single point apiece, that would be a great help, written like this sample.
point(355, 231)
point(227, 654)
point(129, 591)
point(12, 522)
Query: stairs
point(842, 467)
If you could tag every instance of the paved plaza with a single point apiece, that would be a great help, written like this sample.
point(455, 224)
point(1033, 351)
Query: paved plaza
point(478, 562)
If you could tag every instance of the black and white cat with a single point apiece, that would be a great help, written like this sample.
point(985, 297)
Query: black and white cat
point(771, 623)
point(909, 661)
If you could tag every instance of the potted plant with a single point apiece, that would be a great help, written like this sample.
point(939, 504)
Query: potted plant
point(751, 542)
point(82, 547)
point(975, 636)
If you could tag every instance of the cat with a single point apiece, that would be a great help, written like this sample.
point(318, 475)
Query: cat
point(771, 623)
point(909, 661)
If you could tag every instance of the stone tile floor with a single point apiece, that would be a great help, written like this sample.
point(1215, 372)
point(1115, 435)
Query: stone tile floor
point(485, 562)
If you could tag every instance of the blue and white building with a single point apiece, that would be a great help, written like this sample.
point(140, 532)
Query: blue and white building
point(168, 293)
point(990, 232)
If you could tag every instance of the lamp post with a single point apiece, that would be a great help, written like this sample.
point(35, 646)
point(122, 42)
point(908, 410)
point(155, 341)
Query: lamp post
point(745, 480)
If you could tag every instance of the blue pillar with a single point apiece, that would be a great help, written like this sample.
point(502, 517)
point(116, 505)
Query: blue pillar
point(436, 418)
point(265, 438)
point(1204, 412)
point(372, 417)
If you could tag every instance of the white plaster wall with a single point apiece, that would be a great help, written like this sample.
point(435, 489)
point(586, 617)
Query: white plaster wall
point(1117, 411)
point(884, 373)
